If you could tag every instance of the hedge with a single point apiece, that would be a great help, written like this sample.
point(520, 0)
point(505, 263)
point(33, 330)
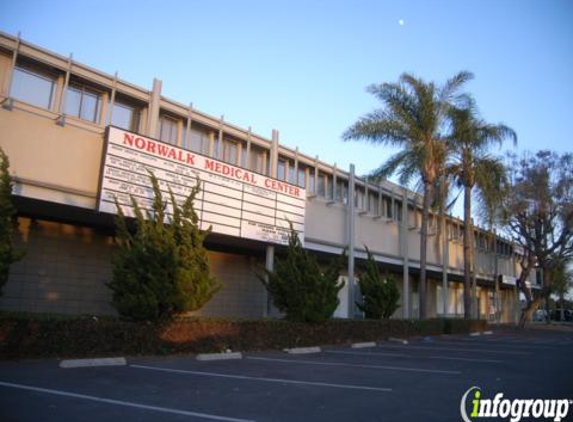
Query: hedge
point(29, 336)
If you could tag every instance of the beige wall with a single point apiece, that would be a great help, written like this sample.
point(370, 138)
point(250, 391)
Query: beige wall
point(378, 235)
point(59, 164)
point(65, 268)
point(324, 222)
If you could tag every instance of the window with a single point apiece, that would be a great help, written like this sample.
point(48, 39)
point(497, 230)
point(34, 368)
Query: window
point(359, 199)
point(330, 188)
point(291, 175)
point(397, 211)
point(301, 177)
point(197, 141)
point(342, 191)
point(258, 162)
point(33, 87)
point(216, 149)
point(373, 204)
point(168, 130)
point(83, 103)
point(125, 116)
point(311, 181)
point(230, 151)
point(321, 185)
point(387, 206)
point(243, 162)
point(281, 170)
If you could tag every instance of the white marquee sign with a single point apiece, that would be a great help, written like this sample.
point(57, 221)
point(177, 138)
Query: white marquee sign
point(232, 200)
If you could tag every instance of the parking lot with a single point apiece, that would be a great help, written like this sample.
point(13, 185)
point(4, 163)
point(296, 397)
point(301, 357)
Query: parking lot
point(423, 380)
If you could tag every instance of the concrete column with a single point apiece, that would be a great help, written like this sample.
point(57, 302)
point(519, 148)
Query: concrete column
point(404, 250)
point(7, 102)
point(316, 175)
point(188, 123)
point(269, 265)
point(274, 157)
point(152, 129)
point(270, 249)
point(248, 153)
point(109, 111)
point(496, 279)
point(219, 152)
point(445, 264)
point(295, 166)
point(351, 233)
point(62, 100)
point(475, 310)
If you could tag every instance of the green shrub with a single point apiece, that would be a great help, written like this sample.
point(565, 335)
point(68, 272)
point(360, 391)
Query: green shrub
point(459, 326)
point(380, 294)
point(8, 255)
point(299, 288)
point(162, 268)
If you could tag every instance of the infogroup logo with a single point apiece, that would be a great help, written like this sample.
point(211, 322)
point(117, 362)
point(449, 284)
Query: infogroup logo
point(515, 409)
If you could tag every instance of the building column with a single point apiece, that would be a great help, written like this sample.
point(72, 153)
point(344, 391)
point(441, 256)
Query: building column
point(153, 113)
point(406, 314)
point(270, 248)
point(445, 265)
point(351, 233)
point(269, 265)
point(496, 280)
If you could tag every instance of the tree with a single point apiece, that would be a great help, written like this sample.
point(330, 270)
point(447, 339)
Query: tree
point(562, 282)
point(380, 294)
point(161, 268)
point(413, 119)
point(8, 255)
point(475, 171)
point(299, 287)
point(538, 213)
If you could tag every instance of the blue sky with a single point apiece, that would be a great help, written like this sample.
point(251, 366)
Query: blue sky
point(301, 67)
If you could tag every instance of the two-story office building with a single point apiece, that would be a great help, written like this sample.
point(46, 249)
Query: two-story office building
point(77, 138)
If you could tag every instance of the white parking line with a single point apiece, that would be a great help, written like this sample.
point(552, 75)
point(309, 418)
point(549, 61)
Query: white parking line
point(275, 380)
point(122, 403)
point(477, 343)
point(413, 357)
point(413, 347)
point(352, 365)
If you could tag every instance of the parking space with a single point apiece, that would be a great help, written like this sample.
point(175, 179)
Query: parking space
point(423, 380)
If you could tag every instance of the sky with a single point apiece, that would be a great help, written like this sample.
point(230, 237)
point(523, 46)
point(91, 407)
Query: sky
point(301, 67)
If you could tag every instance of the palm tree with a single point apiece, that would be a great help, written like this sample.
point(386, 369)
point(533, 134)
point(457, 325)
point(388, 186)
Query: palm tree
point(472, 167)
point(413, 119)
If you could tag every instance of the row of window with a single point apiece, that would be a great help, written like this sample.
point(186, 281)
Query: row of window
point(85, 103)
point(39, 88)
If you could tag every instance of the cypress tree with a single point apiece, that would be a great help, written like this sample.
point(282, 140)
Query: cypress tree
point(8, 255)
point(380, 294)
point(299, 288)
point(161, 267)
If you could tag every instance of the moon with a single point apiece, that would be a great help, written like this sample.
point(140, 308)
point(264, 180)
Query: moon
point(401, 22)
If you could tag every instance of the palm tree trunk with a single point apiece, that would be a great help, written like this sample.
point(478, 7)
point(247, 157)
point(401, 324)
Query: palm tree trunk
point(468, 237)
point(428, 190)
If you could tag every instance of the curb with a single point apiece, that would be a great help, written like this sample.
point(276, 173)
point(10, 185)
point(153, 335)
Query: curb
point(219, 356)
point(363, 345)
point(397, 340)
point(303, 350)
point(86, 363)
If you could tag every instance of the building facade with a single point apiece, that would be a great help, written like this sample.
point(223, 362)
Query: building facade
point(55, 124)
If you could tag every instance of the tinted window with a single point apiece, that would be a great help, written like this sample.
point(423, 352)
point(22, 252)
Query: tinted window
point(125, 116)
point(32, 87)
